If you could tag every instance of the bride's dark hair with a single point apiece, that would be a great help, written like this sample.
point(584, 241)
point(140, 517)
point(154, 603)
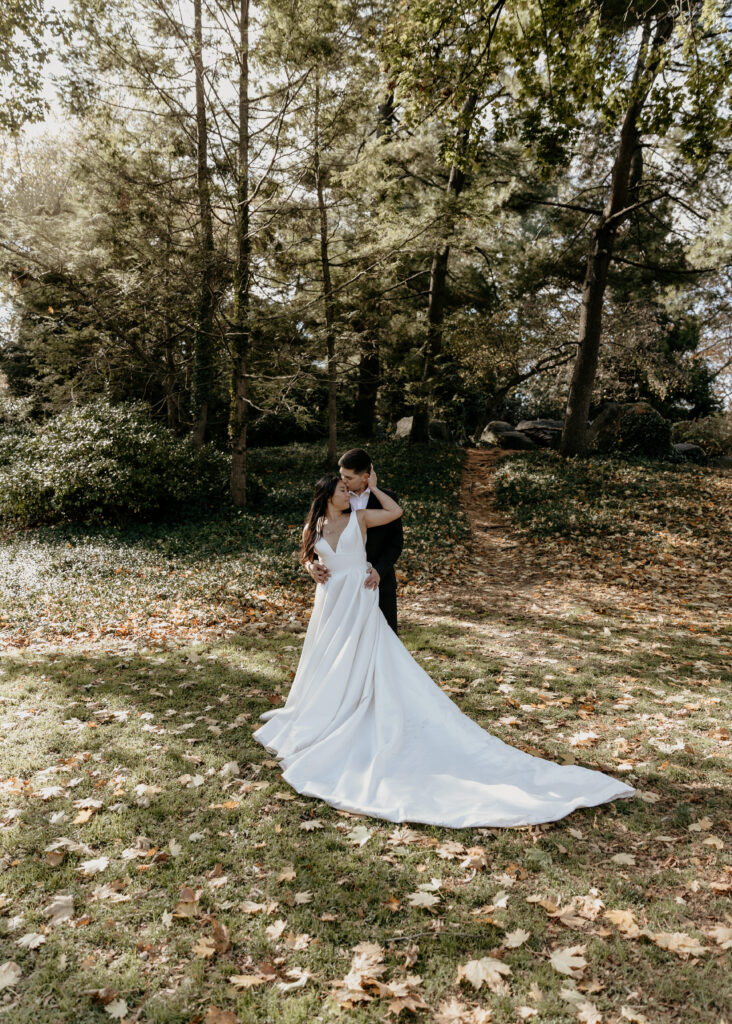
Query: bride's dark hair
point(324, 491)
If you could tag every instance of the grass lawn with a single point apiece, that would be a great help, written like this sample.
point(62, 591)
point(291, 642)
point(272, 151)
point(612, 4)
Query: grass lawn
point(153, 866)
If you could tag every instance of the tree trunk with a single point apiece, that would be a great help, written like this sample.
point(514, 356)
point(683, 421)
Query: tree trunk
point(419, 433)
point(624, 190)
point(328, 298)
point(203, 343)
point(241, 330)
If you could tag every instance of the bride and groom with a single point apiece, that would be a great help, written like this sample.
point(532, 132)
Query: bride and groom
point(364, 727)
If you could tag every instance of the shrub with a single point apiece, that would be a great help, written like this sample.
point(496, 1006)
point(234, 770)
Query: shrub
point(104, 463)
point(712, 433)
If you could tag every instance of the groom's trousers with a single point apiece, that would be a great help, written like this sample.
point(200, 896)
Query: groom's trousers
point(388, 600)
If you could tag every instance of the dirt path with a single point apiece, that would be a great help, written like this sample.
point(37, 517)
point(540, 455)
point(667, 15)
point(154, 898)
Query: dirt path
point(504, 575)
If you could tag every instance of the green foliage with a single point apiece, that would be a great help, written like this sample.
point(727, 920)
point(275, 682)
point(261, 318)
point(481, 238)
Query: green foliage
point(102, 463)
point(598, 499)
point(712, 433)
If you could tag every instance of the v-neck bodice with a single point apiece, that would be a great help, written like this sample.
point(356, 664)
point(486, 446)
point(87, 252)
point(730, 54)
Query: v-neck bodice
point(350, 551)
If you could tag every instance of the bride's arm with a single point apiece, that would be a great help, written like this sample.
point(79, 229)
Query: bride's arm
point(389, 510)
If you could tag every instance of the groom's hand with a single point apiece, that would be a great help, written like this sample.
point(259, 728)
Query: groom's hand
point(372, 579)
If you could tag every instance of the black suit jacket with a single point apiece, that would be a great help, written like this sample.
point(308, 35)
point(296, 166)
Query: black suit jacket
point(384, 544)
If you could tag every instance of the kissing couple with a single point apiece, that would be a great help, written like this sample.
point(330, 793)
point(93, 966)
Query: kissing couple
point(364, 727)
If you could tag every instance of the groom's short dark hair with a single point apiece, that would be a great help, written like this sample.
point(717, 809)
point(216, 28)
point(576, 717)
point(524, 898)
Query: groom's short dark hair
point(356, 459)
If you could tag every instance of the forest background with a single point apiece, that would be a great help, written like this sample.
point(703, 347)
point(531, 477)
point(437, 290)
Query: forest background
point(270, 222)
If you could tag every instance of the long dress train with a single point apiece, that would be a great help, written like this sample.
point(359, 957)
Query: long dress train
point(365, 729)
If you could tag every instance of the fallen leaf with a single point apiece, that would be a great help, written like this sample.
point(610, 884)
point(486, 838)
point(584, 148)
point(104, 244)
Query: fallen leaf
point(10, 974)
point(422, 899)
point(588, 1013)
point(722, 935)
point(301, 976)
point(676, 942)
point(488, 970)
point(569, 961)
point(274, 930)
point(514, 939)
point(624, 921)
point(359, 835)
point(246, 980)
point(117, 1009)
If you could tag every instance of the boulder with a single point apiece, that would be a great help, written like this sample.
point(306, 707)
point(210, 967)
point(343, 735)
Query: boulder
point(632, 427)
point(690, 452)
point(514, 439)
point(721, 461)
point(439, 430)
point(499, 426)
point(544, 433)
point(554, 424)
point(403, 427)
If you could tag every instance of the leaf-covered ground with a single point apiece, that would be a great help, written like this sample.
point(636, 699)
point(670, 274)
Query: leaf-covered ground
point(154, 867)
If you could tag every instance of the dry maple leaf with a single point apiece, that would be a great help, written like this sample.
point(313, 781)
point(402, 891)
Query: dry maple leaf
point(248, 907)
point(94, 866)
point(286, 874)
point(116, 1009)
point(300, 975)
point(624, 858)
point(304, 897)
point(274, 930)
point(514, 939)
point(293, 941)
point(422, 899)
point(722, 935)
point(588, 1013)
point(624, 921)
point(476, 858)
point(31, 941)
point(246, 980)
point(676, 942)
point(359, 835)
point(205, 947)
point(450, 849)
point(312, 823)
point(569, 961)
point(61, 908)
point(10, 974)
point(403, 837)
point(187, 905)
point(488, 970)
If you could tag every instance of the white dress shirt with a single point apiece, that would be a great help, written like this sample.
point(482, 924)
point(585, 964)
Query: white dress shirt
point(360, 500)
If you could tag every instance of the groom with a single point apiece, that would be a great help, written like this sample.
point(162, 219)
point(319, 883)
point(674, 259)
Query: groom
point(383, 543)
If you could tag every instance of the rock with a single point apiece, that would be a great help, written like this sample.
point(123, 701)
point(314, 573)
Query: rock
point(404, 426)
point(514, 439)
point(554, 424)
point(691, 452)
point(632, 427)
point(439, 430)
point(721, 461)
point(499, 426)
point(544, 433)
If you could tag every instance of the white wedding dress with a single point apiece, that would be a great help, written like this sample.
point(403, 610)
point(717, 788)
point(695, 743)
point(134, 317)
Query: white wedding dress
point(365, 728)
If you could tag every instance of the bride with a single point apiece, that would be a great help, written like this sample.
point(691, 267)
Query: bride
point(367, 730)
